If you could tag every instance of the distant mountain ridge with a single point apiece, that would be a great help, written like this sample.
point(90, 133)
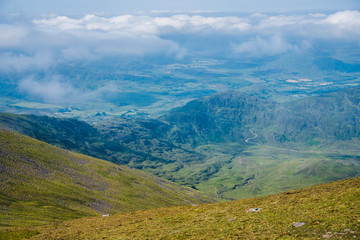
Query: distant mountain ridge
point(229, 117)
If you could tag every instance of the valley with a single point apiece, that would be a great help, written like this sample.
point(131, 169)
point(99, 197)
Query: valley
point(232, 145)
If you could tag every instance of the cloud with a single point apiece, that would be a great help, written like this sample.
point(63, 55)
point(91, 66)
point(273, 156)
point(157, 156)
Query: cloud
point(46, 42)
point(11, 35)
point(346, 24)
point(144, 25)
point(194, 24)
point(52, 89)
point(58, 89)
point(345, 19)
point(260, 46)
point(257, 26)
point(12, 61)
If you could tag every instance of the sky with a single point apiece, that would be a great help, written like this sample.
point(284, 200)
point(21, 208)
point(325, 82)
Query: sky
point(81, 7)
point(37, 36)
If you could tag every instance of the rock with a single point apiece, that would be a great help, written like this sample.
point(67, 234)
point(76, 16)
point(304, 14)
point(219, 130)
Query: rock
point(298, 224)
point(231, 219)
point(106, 215)
point(254, 210)
point(328, 236)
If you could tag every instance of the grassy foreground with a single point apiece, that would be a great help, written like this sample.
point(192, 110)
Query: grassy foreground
point(328, 211)
point(41, 184)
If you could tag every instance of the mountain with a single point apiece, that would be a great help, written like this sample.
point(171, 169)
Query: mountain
point(318, 212)
point(326, 119)
point(236, 144)
point(258, 142)
point(41, 183)
point(222, 117)
point(229, 117)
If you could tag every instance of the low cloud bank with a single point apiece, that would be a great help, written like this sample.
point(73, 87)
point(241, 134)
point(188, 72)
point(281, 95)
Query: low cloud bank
point(51, 89)
point(44, 43)
point(48, 41)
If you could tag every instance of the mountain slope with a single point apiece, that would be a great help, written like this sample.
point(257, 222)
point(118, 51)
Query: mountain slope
point(319, 212)
point(222, 117)
point(41, 183)
point(122, 141)
point(229, 117)
point(70, 134)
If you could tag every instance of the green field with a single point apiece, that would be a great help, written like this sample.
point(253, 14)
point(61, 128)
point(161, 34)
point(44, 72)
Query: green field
point(263, 170)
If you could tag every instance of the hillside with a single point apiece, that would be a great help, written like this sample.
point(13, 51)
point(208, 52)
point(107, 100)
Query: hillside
point(229, 117)
point(41, 183)
point(122, 141)
point(319, 212)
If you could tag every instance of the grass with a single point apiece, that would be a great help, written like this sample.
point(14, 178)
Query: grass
point(331, 209)
point(9, 234)
point(41, 183)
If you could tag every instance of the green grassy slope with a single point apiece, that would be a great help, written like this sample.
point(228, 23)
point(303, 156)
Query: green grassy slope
point(263, 170)
point(325, 211)
point(40, 183)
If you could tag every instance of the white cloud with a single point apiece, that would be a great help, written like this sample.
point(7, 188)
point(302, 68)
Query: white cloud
point(144, 25)
point(11, 35)
point(19, 62)
point(305, 25)
point(127, 24)
point(49, 41)
point(57, 89)
point(52, 89)
point(176, 22)
point(260, 46)
point(345, 24)
point(345, 19)
point(279, 21)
